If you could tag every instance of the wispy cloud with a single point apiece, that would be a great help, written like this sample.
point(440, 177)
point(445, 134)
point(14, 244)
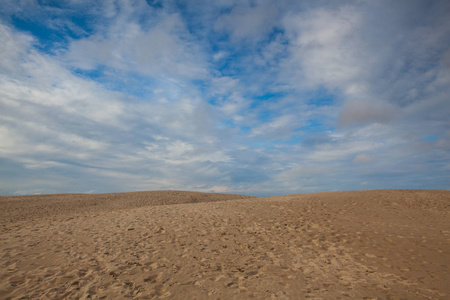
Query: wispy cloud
point(262, 98)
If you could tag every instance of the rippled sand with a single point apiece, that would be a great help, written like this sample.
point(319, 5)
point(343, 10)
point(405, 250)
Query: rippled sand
point(150, 245)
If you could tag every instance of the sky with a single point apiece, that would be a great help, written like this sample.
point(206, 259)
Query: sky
point(249, 97)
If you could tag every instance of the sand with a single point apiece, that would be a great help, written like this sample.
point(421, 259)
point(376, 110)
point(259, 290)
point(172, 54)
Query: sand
point(391, 244)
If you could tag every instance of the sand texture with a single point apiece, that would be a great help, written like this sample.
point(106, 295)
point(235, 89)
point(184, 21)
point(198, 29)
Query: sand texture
point(392, 244)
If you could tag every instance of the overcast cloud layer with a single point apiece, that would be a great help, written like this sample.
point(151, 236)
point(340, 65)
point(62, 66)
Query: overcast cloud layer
point(251, 97)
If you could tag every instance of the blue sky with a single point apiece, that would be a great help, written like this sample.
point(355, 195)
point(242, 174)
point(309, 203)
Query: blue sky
point(252, 97)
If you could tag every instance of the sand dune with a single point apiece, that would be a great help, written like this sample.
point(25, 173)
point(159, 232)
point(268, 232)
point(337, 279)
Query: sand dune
point(372, 244)
point(41, 206)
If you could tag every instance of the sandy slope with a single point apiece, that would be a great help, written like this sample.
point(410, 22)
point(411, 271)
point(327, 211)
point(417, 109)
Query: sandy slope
point(40, 206)
point(372, 244)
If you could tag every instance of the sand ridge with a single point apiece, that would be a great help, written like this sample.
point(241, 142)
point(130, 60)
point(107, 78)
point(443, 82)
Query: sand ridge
point(338, 245)
point(20, 208)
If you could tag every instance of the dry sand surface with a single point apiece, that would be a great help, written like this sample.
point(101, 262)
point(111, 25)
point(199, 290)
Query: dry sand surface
point(149, 245)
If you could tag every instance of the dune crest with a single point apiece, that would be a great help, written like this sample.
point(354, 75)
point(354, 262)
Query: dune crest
point(336, 245)
point(15, 208)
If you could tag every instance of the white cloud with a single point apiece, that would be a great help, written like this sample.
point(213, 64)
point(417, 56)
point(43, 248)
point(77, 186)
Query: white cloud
point(162, 50)
point(367, 50)
point(324, 48)
point(12, 47)
point(341, 150)
point(363, 158)
point(247, 21)
point(279, 128)
point(366, 112)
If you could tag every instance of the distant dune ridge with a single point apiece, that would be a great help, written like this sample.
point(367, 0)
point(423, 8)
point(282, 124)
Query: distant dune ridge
point(25, 207)
point(335, 245)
